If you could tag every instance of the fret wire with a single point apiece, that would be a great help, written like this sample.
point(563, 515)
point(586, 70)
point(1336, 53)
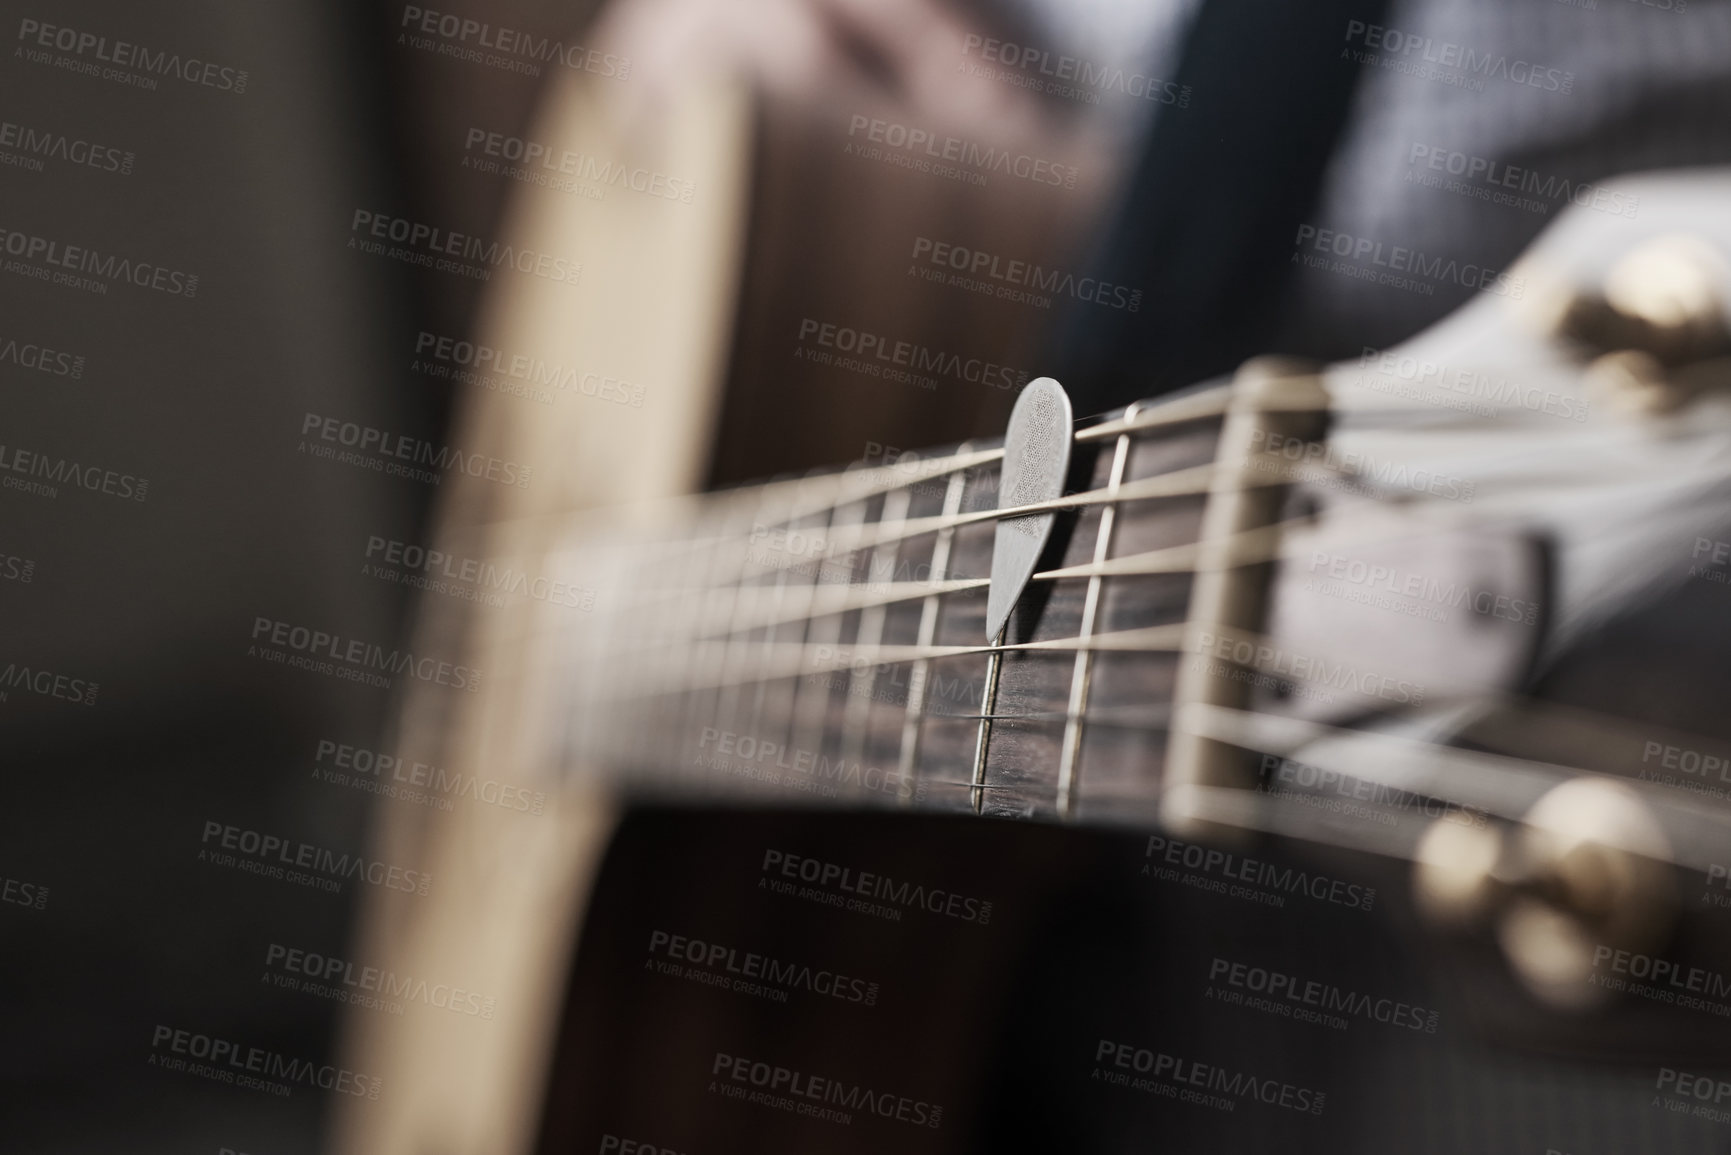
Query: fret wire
point(741, 542)
point(671, 761)
point(727, 703)
point(784, 724)
point(1154, 716)
point(979, 788)
point(856, 715)
point(1081, 676)
point(988, 702)
point(768, 640)
point(811, 700)
point(728, 555)
point(907, 754)
point(693, 711)
point(759, 698)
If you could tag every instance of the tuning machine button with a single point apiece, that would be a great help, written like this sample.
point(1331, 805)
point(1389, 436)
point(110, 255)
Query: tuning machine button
point(1665, 298)
point(1632, 381)
point(1586, 870)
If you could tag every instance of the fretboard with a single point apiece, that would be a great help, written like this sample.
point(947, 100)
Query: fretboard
point(823, 638)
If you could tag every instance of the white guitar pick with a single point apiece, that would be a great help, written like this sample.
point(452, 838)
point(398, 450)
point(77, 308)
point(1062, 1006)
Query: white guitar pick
point(1036, 459)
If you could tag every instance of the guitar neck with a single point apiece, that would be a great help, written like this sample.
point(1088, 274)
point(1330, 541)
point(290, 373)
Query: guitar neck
point(823, 639)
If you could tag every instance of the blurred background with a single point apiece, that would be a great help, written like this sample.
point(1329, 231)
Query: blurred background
point(240, 241)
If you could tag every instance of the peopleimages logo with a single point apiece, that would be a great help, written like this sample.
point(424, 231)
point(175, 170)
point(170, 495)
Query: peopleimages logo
point(1164, 853)
point(20, 893)
point(446, 251)
point(82, 267)
point(1299, 670)
point(397, 776)
point(1395, 49)
point(1325, 465)
point(983, 272)
point(1485, 178)
point(88, 45)
point(269, 854)
point(1341, 793)
point(1311, 1000)
point(1441, 384)
point(828, 878)
point(751, 973)
point(1197, 1079)
point(474, 363)
point(229, 1062)
point(814, 1096)
point(353, 657)
point(328, 976)
point(469, 578)
point(542, 162)
point(1368, 259)
point(1451, 594)
point(34, 145)
point(41, 359)
point(500, 47)
point(1073, 77)
point(51, 472)
point(46, 684)
point(870, 348)
point(392, 449)
point(923, 146)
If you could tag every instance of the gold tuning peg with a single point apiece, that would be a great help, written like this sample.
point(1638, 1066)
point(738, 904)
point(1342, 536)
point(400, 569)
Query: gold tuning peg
point(1584, 872)
point(1664, 298)
point(1633, 381)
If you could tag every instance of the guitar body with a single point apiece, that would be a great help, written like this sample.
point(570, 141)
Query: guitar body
point(654, 301)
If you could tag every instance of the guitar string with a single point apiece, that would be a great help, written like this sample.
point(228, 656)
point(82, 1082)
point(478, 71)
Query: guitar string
point(1251, 546)
point(1248, 547)
point(1458, 758)
point(907, 751)
point(1501, 785)
point(824, 488)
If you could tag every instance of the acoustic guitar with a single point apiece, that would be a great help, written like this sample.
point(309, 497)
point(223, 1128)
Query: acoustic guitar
point(1398, 678)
